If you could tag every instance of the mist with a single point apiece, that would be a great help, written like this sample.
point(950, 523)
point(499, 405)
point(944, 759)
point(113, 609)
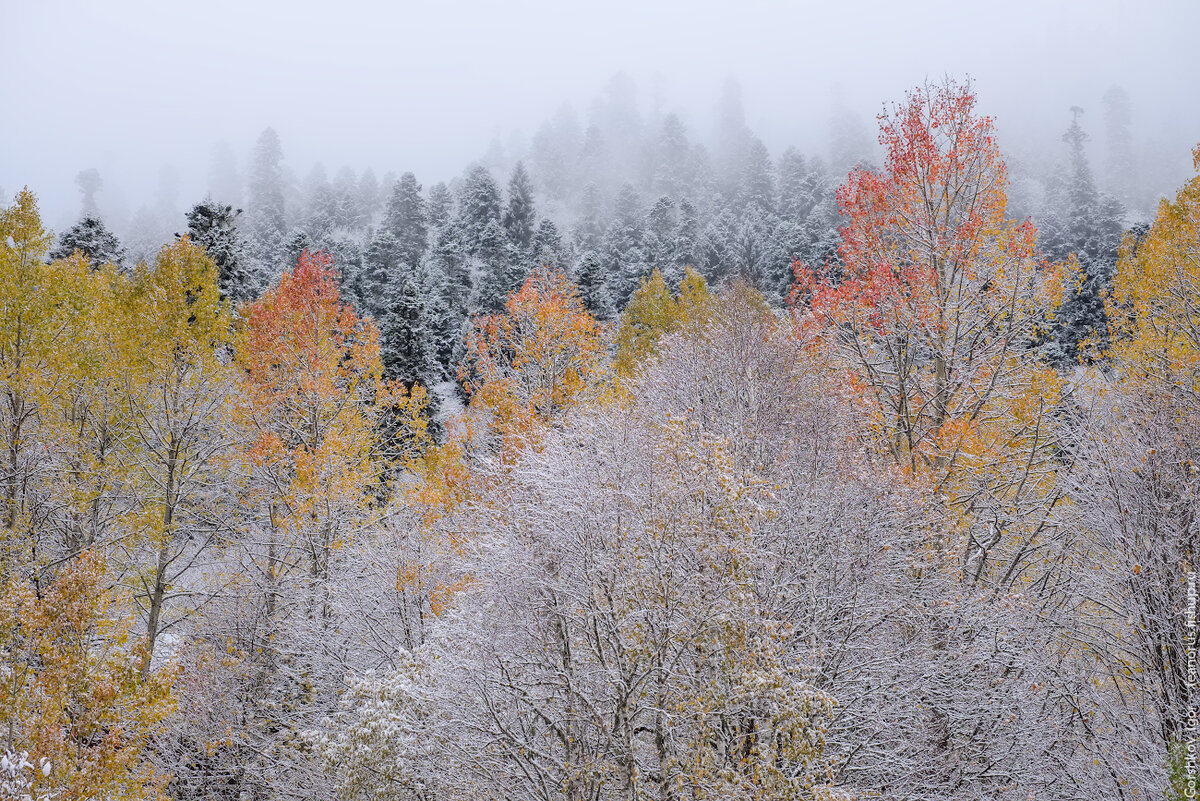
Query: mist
point(144, 91)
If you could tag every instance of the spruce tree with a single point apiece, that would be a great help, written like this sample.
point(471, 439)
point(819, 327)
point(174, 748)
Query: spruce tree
point(547, 247)
point(478, 208)
point(520, 215)
point(502, 273)
point(441, 205)
point(1086, 223)
point(91, 238)
point(266, 221)
point(407, 219)
point(624, 258)
point(405, 341)
point(593, 289)
point(381, 265)
point(213, 226)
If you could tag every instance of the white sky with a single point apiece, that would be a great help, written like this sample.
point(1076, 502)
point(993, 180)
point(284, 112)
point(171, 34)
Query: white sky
point(128, 87)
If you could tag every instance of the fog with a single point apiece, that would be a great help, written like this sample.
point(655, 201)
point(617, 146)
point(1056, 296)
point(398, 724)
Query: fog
point(133, 88)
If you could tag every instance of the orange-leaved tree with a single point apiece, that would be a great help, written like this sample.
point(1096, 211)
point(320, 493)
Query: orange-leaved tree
point(537, 359)
point(935, 309)
point(311, 397)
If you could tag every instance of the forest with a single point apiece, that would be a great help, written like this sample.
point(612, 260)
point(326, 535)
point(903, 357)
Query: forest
point(637, 467)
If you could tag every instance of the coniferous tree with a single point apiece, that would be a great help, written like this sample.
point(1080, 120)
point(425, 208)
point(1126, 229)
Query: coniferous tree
point(91, 238)
point(502, 272)
point(89, 183)
point(547, 247)
point(266, 221)
point(661, 239)
point(1084, 222)
point(347, 211)
point(369, 197)
point(213, 226)
point(406, 341)
point(478, 208)
point(407, 219)
point(590, 228)
point(593, 289)
point(1120, 169)
point(520, 215)
point(381, 264)
point(625, 260)
point(441, 205)
point(297, 242)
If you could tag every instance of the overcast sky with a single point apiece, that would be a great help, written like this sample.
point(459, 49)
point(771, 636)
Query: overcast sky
point(130, 86)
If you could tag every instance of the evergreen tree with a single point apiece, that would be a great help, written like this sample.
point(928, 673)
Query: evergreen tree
point(673, 170)
point(502, 273)
point(450, 257)
point(347, 211)
point(624, 258)
point(405, 341)
point(1121, 172)
point(593, 289)
point(266, 219)
point(590, 228)
point(213, 226)
point(370, 199)
point(661, 239)
point(294, 246)
point(478, 208)
point(91, 238)
point(407, 219)
point(1083, 222)
point(547, 247)
point(381, 265)
point(441, 205)
point(687, 235)
point(320, 205)
point(756, 181)
point(519, 216)
point(89, 183)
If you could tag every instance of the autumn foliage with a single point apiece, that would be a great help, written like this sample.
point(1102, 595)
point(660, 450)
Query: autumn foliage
point(537, 359)
point(936, 303)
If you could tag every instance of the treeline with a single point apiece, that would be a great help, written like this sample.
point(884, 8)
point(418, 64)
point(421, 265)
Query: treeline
point(875, 544)
point(608, 201)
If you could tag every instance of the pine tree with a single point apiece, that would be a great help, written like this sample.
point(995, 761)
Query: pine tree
point(297, 242)
point(478, 208)
point(91, 238)
point(450, 257)
point(381, 265)
point(406, 342)
point(1087, 224)
point(348, 213)
point(660, 240)
point(213, 226)
point(1120, 170)
point(756, 179)
point(370, 198)
point(407, 219)
point(673, 170)
point(89, 183)
point(590, 228)
point(547, 247)
point(265, 217)
point(593, 289)
point(520, 215)
point(624, 258)
point(501, 271)
point(320, 205)
point(441, 205)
